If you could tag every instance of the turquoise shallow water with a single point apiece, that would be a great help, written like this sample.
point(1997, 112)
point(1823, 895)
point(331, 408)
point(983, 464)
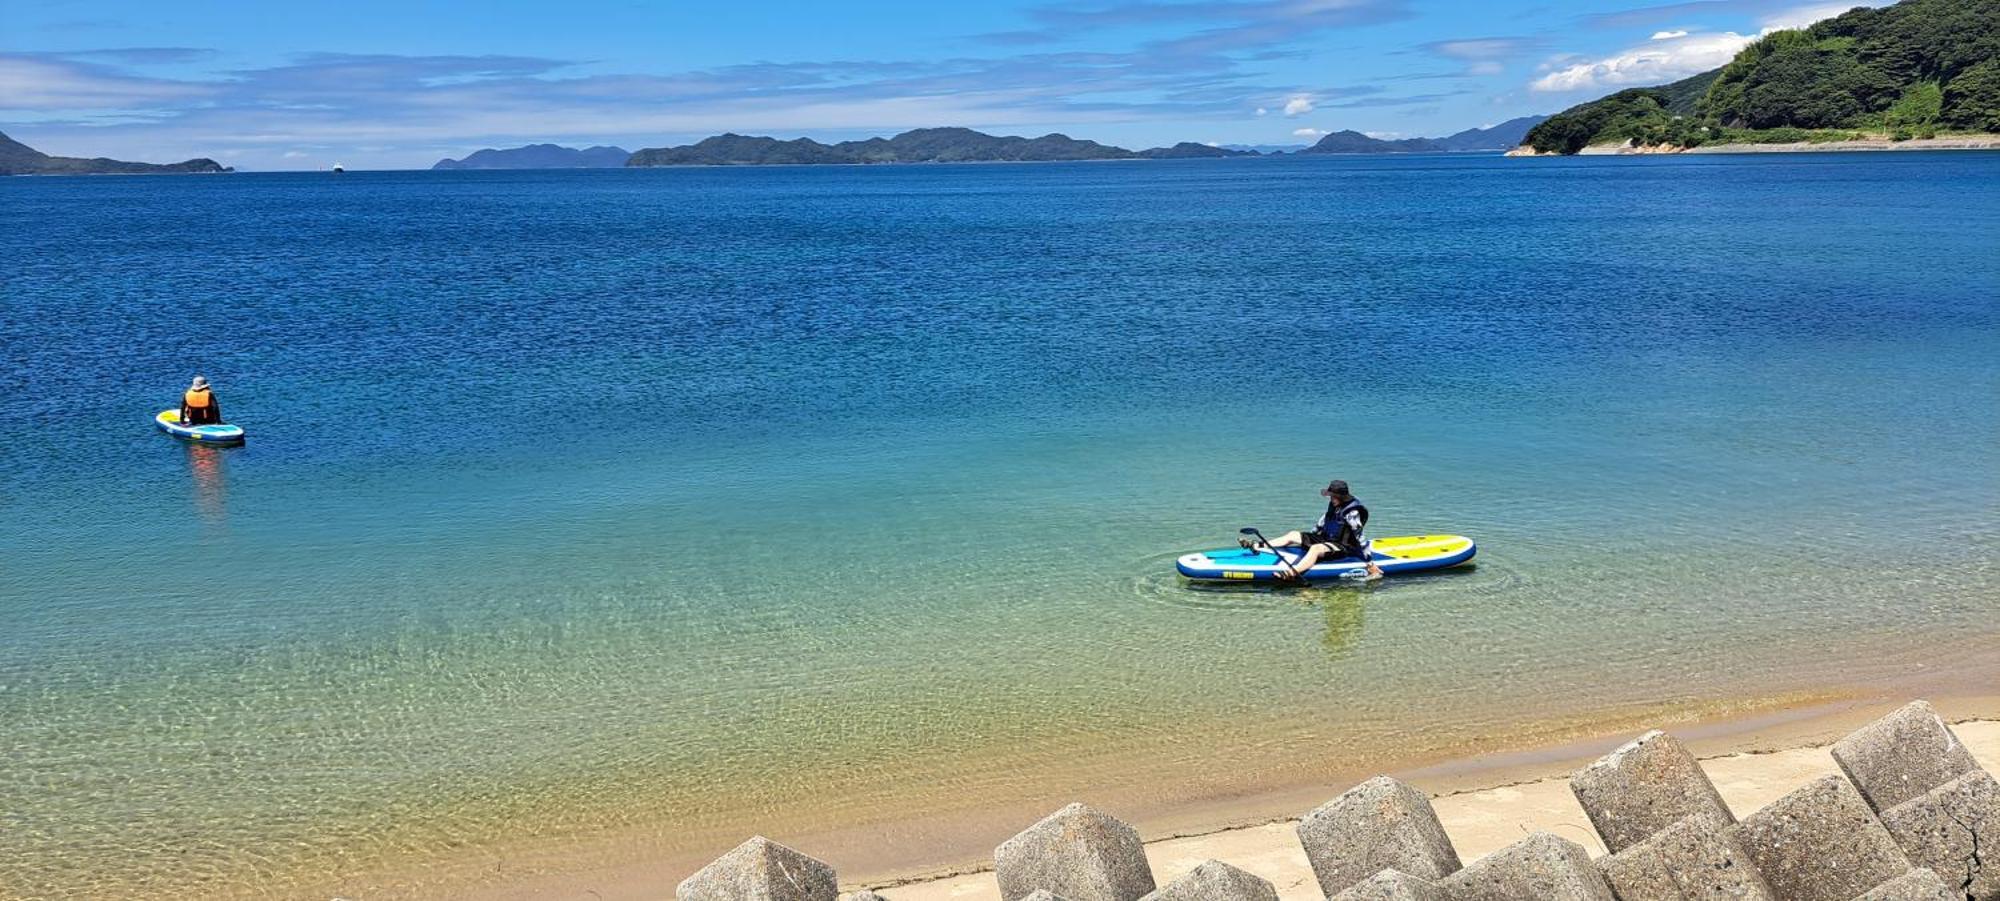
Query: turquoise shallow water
point(703, 502)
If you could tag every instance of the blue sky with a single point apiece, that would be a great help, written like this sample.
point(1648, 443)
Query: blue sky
point(376, 84)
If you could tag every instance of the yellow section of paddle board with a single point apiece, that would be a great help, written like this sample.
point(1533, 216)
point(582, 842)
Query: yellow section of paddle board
point(1421, 547)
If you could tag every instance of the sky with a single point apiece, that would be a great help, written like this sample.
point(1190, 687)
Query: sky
point(382, 84)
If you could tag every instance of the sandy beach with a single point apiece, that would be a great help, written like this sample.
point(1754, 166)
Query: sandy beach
point(1485, 803)
point(1483, 820)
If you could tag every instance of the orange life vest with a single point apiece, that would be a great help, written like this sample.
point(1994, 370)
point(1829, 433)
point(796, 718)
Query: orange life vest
point(196, 399)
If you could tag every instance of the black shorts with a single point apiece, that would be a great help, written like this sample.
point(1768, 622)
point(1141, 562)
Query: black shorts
point(1308, 539)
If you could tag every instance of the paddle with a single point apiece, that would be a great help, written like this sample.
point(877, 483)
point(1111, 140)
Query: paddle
point(1247, 530)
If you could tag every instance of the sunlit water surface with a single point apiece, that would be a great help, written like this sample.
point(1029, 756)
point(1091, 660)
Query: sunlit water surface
point(701, 501)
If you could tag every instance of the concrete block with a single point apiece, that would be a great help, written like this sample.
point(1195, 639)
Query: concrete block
point(1216, 881)
point(1542, 866)
point(1821, 843)
point(1044, 895)
point(1916, 885)
point(1644, 787)
point(1696, 859)
point(1902, 755)
point(1377, 825)
point(1392, 885)
point(1078, 853)
point(761, 870)
point(863, 895)
point(1954, 830)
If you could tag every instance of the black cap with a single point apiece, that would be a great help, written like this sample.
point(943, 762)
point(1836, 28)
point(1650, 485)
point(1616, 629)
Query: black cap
point(1337, 488)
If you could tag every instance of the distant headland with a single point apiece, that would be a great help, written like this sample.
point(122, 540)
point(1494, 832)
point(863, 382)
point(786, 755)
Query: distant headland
point(17, 158)
point(540, 156)
point(1920, 73)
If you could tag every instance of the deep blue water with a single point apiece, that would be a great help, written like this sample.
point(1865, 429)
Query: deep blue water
point(561, 483)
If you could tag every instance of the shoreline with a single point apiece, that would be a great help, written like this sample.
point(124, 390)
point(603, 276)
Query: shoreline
point(1752, 764)
point(1961, 142)
point(1487, 801)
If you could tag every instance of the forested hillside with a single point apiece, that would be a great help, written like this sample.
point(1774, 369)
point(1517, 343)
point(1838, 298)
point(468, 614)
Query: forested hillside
point(1909, 70)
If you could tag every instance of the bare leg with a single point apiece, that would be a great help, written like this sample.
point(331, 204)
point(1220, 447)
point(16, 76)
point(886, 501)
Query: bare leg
point(1313, 555)
point(1306, 560)
point(1289, 539)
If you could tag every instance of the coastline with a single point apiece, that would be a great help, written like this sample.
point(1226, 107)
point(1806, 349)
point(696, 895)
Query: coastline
point(1485, 819)
point(1487, 801)
point(1962, 142)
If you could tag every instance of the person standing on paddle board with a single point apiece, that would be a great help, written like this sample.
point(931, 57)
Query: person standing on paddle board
point(198, 405)
point(1338, 534)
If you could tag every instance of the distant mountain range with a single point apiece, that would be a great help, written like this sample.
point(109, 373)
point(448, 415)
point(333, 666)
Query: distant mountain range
point(963, 145)
point(541, 156)
point(924, 145)
point(1505, 136)
point(17, 158)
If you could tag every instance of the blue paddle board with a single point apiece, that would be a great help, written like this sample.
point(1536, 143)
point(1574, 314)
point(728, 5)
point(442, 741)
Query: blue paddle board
point(1402, 554)
point(169, 422)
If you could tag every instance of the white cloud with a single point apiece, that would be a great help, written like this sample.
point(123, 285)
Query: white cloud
point(1262, 111)
point(1658, 62)
point(1306, 132)
point(1672, 55)
point(1299, 105)
point(295, 154)
point(1383, 135)
point(38, 83)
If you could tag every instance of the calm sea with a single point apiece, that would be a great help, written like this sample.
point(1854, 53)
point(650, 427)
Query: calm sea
point(685, 504)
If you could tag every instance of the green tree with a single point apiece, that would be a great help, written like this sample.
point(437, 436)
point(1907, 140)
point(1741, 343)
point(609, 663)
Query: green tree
point(1806, 87)
point(1972, 100)
point(1919, 106)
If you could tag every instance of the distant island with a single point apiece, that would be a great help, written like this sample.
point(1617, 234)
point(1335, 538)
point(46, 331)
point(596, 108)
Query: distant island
point(540, 156)
point(1505, 136)
point(964, 145)
point(1922, 70)
point(17, 158)
point(923, 145)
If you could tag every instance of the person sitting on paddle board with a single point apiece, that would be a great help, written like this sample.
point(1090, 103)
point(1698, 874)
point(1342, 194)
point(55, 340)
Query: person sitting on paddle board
point(1336, 535)
point(198, 405)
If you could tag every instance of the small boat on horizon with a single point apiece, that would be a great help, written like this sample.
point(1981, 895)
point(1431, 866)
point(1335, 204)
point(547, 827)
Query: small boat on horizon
point(338, 168)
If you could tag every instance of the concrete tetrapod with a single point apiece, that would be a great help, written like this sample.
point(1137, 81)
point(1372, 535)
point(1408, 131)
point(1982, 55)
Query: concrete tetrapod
point(761, 870)
point(1696, 859)
point(1954, 830)
point(1216, 881)
point(1542, 866)
point(1379, 824)
point(1078, 853)
point(1392, 885)
point(1643, 787)
point(1902, 755)
point(1821, 843)
point(1916, 885)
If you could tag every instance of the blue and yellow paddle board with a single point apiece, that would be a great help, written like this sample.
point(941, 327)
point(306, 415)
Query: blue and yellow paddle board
point(169, 422)
point(1402, 554)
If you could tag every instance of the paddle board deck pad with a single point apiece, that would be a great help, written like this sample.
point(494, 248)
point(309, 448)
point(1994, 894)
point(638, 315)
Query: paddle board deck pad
point(1403, 554)
point(169, 422)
